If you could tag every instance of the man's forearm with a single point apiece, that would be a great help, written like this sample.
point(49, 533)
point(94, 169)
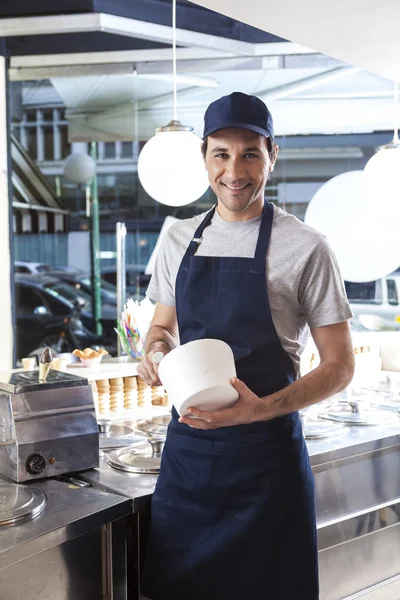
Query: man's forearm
point(324, 381)
point(159, 338)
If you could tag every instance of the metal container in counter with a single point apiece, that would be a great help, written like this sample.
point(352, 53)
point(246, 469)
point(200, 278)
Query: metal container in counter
point(357, 481)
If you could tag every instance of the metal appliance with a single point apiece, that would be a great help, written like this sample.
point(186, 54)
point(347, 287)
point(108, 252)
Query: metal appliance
point(47, 428)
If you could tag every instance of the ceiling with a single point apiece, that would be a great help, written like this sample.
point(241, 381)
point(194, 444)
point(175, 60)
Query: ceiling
point(102, 107)
point(364, 33)
point(309, 83)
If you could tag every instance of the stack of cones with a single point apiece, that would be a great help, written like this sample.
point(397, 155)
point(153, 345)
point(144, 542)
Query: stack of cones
point(117, 395)
point(130, 393)
point(103, 395)
point(157, 395)
point(144, 393)
point(95, 393)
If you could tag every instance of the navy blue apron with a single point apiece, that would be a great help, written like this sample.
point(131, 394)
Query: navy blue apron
point(233, 511)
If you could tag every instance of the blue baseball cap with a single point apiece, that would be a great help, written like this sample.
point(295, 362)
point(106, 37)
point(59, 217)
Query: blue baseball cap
point(241, 111)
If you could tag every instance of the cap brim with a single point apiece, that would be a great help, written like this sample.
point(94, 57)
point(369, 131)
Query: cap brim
point(231, 125)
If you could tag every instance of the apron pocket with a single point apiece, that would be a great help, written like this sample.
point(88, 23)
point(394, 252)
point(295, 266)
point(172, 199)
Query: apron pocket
point(248, 481)
point(184, 479)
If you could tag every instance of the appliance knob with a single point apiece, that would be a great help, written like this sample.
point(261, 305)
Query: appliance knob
point(35, 464)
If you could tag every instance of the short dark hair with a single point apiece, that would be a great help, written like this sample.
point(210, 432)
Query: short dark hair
point(270, 145)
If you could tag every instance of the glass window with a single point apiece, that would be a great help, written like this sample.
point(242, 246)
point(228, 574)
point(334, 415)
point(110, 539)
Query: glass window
point(31, 135)
point(127, 149)
point(109, 148)
point(392, 292)
point(65, 145)
point(48, 143)
point(369, 292)
point(31, 115)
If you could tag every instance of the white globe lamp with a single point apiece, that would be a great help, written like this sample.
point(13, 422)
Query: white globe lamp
point(364, 240)
point(79, 168)
point(382, 171)
point(382, 179)
point(171, 167)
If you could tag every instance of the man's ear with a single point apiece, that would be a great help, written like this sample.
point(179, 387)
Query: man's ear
point(275, 155)
point(203, 150)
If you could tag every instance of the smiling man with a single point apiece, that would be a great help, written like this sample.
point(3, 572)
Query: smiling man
point(233, 513)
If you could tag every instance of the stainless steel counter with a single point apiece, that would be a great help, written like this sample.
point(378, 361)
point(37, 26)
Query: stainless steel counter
point(137, 486)
point(358, 509)
point(351, 442)
point(67, 551)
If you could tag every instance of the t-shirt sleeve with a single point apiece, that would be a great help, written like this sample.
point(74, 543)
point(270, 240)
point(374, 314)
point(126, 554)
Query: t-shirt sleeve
point(322, 295)
point(161, 288)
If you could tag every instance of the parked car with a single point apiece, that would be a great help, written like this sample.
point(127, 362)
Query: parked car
point(81, 281)
point(375, 304)
point(136, 281)
point(42, 302)
point(22, 266)
point(70, 270)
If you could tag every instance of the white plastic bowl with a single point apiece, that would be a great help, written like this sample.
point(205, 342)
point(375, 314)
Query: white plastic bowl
point(91, 362)
point(198, 374)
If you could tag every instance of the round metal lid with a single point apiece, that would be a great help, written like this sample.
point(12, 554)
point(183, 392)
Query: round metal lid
point(135, 460)
point(18, 502)
point(156, 427)
point(320, 430)
point(388, 404)
point(118, 436)
point(362, 417)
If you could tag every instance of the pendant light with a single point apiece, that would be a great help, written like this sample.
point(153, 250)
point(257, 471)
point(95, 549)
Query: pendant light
point(364, 240)
point(382, 171)
point(170, 166)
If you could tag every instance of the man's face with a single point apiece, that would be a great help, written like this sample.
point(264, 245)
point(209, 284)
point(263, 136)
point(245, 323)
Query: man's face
point(238, 165)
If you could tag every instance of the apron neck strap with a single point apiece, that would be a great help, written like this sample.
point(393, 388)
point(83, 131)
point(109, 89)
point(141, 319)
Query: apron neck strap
point(265, 231)
point(197, 238)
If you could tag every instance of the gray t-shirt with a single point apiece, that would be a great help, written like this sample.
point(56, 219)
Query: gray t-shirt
point(305, 288)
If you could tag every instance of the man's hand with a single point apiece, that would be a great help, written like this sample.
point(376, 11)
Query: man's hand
point(248, 409)
point(161, 337)
point(148, 369)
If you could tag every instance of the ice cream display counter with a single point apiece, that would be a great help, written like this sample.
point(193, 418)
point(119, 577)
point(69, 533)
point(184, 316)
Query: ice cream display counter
point(83, 536)
point(357, 500)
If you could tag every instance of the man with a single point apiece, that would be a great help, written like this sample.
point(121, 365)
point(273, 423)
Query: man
point(233, 511)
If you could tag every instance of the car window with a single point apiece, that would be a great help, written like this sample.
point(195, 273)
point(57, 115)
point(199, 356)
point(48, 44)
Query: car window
point(369, 292)
point(69, 293)
point(57, 304)
point(105, 285)
point(27, 299)
point(21, 269)
point(43, 268)
point(392, 292)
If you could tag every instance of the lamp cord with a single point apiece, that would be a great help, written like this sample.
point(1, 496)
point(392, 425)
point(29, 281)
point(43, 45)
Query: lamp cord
point(174, 57)
point(396, 113)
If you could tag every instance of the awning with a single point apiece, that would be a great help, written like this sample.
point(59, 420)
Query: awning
point(31, 190)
